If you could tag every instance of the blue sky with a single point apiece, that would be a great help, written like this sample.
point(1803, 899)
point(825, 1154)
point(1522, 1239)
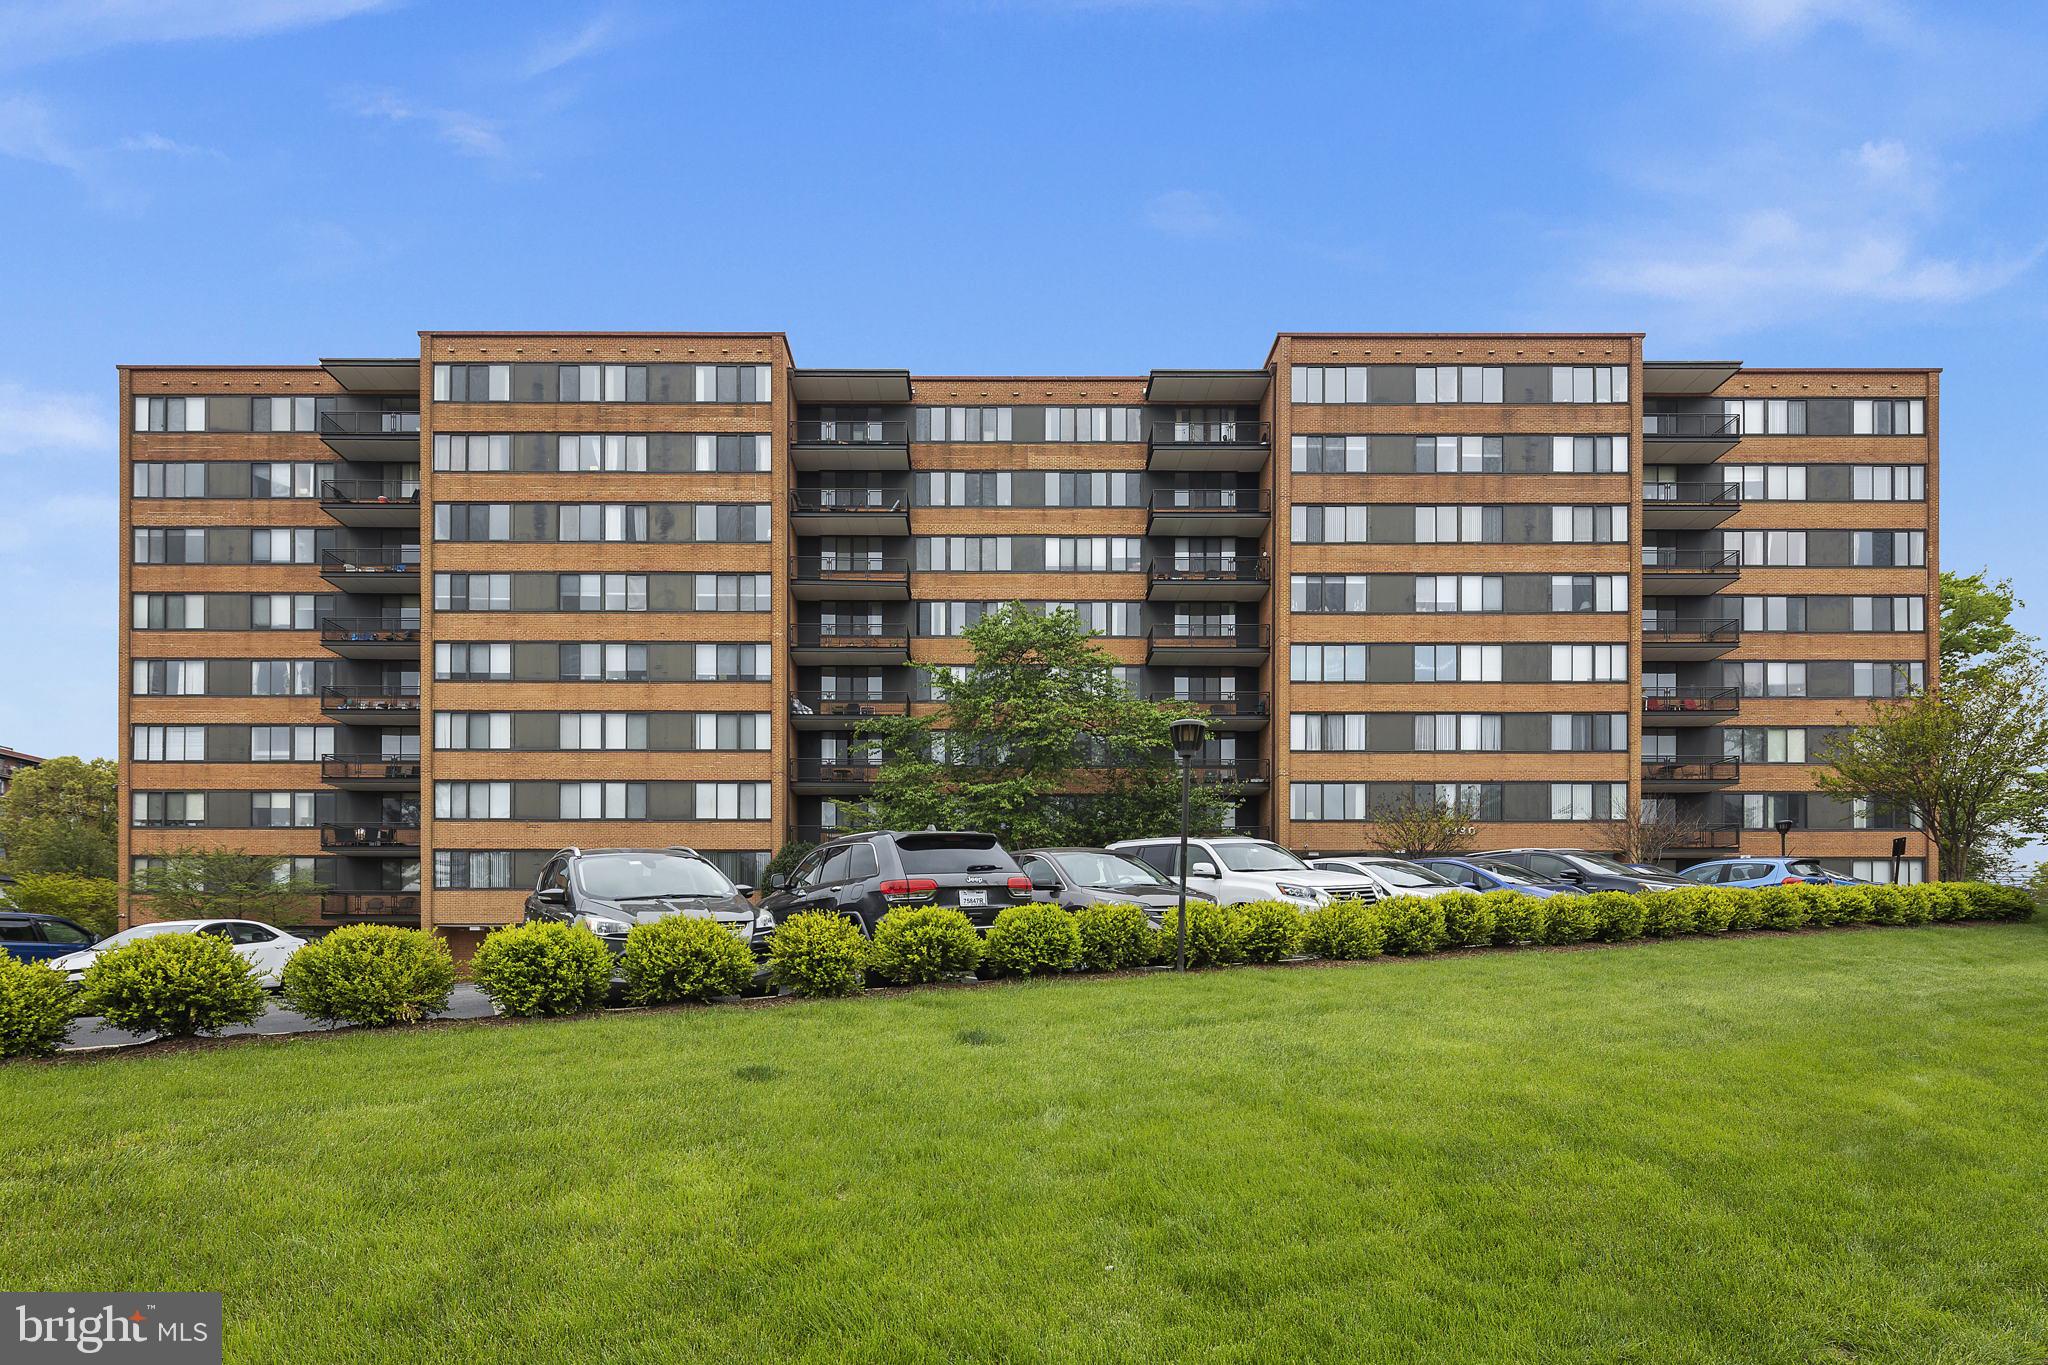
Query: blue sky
point(971, 186)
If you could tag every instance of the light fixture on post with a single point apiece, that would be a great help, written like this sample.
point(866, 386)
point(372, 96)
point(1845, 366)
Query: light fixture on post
point(1783, 827)
point(1188, 737)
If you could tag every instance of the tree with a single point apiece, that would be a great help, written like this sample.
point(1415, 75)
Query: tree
point(201, 883)
point(1037, 742)
point(1965, 760)
point(786, 858)
point(1653, 829)
point(1412, 827)
point(60, 817)
point(88, 900)
point(1976, 622)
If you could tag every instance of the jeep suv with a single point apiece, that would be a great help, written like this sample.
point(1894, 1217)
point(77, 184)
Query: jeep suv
point(865, 876)
point(1233, 870)
point(609, 890)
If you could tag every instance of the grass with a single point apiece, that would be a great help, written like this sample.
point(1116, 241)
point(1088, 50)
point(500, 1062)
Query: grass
point(1817, 1147)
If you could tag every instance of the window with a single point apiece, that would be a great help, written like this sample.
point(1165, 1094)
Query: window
point(466, 662)
point(728, 454)
point(167, 809)
point(167, 743)
point(1589, 383)
point(1588, 525)
point(1323, 593)
point(1457, 592)
point(473, 454)
point(732, 800)
point(747, 867)
point(738, 731)
point(732, 663)
point(964, 424)
point(603, 730)
point(1589, 592)
point(1911, 870)
point(1889, 417)
point(472, 383)
point(937, 620)
point(1589, 800)
point(472, 592)
point(281, 414)
point(1094, 424)
point(602, 521)
point(280, 545)
point(1102, 554)
point(977, 488)
point(1595, 732)
point(1765, 679)
point(1887, 679)
point(601, 591)
point(170, 414)
point(169, 678)
point(472, 870)
point(299, 479)
point(472, 800)
point(169, 611)
point(1121, 620)
point(154, 480)
point(1326, 733)
point(1774, 613)
point(1772, 548)
point(280, 810)
point(1768, 416)
point(1589, 454)
point(1333, 524)
point(473, 521)
point(1458, 384)
point(1326, 663)
point(289, 677)
point(1888, 482)
point(281, 610)
point(170, 545)
point(1461, 454)
point(603, 663)
point(1328, 801)
point(1888, 549)
point(733, 384)
point(1330, 454)
point(1589, 663)
point(1762, 810)
point(746, 523)
point(1457, 663)
point(602, 383)
point(1329, 383)
point(1450, 525)
point(1767, 482)
point(727, 592)
point(1888, 613)
point(1461, 733)
point(472, 729)
point(1084, 489)
point(1763, 744)
point(290, 743)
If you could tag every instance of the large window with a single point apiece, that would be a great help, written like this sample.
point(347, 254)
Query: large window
point(1589, 454)
point(733, 454)
point(472, 729)
point(293, 479)
point(733, 800)
point(281, 810)
point(472, 800)
point(472, 383)
point(603, 730)
point(1887, 679)
point(1888, 549)
point(1589, 663)
point(1589, 800)
point(1763, 678)
point(1589, 383)
point(1589, 592)
point(185, 810)
point(1766, 482)
point(733, 663)
point(733, 730)
point(1083, 488)
point(465, 454)
point(289, 677)
point(1888, 482)
point(601, 592)
point(1457, 592)
point(1458, 384)
point(1326, 732)
point(1592, 732)
point(1768, 548)
point(934, 424)
point(1889, 417)
point(168, 611)
point(1764, 743)
point(1094, 424)
point(167, 743)
point(1103, 554)
point(170, 414)
point(472, 870)
point(295, 413)
point(1458, 454)
point(1328, 454)
point(281, 610)
point(1457, 663)
point(1451, 525)
point(472, 662)
point(1326, 663)
point(1589, 525)
point(169, 677)
point(1768, 416)
point(290, 743)
point(731, 592)
point(1328, 383)
point(601, 383)
point(159, 480)
point(1888, 613)
point(473, 521)
point(1457, 733)
point(171, 545)
point(972, 488)
point(1774, 613)
point(616, 662)
point(281, 545)
point(472, 592)
point(961, 554)
point(601, 521)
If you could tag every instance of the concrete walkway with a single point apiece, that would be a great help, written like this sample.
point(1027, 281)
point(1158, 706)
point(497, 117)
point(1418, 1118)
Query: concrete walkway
point(466, 1002)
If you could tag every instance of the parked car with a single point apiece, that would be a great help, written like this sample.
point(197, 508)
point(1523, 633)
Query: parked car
point(1758, 872)
point(40, 938)
point(264, 946)
point(1391, 876)
point(1478, 874)
point(1075, 877)
point(865, 876)
point(1587, 871)
point(1232, 870)
point(609, 890)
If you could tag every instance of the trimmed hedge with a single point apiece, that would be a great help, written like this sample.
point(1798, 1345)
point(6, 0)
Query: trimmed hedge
point(1415, 924)
point(1264, 931)
point(1568, 919)
point(1117, 936)
point(1344, 931)
point(682, 957)
point(818, 953)
point(172, 985)
point(1209, 941)
point(1033, 940)
point(37, 1006)
point(1617, 915)
point(1468, 919)
point(542, 968)
point(916, 944)
point(1517, 918)
point(370, 975)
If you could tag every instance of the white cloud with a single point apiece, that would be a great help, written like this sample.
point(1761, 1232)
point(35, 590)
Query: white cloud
point(34, 423)
point(156, 144)
point(470, 134)
point(1188, 213)
point(1765, 20)
point(593, 37)
point(28, 133)
point(33, 31)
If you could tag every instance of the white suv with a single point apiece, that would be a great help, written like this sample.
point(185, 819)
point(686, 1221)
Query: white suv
point(1232, 871)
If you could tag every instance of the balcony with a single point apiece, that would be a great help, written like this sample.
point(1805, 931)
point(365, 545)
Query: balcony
point(1673, 573)
point(832, 777)
point(1243, 772)
point(1246, 711)
point(1208, 447)
point(371, 502)
point(371, 839)
point(1220, 644)
point(1667, 706)
point(1689, 506)
point(1209, 578)
point(373, 569)
point(398, 704)
point(823, 646)
point(831, 711)
point(370, 772)
point(390, 437)
point(848, 512)
point(371, 907)
point(1208, 512)
point(1717, 837)
point(371, 637)
point(1689, 437)
point(1689, 774)
point(1681, 638)
point(849, 445)
point(818, 834)
point(849, 578)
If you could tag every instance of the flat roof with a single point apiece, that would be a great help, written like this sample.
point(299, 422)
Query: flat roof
point(1207, 386)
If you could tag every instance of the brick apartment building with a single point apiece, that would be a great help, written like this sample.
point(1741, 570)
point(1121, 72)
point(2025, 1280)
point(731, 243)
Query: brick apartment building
point(422, 621)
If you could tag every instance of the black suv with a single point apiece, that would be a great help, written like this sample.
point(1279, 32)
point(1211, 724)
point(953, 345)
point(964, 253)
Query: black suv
point(1586, 871)
point(609, 890)
point(865, 876)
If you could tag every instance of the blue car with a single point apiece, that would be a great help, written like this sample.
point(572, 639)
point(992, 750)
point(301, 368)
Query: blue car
point(1483, 874)
point(38, 938)
point(1758, 872)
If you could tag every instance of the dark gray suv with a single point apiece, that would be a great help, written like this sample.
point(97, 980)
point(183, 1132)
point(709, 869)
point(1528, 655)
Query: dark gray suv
point(609, 890)
point(865, 876)
point(1075, 877)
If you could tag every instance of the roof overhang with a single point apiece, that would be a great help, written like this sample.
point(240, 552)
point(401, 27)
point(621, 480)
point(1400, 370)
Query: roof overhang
point(1207, 386)
point(850, 386)
point(400, 374)
point(1687, 378)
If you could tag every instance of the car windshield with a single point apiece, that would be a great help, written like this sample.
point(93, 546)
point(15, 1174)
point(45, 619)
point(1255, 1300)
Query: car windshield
point(1608, 865)
point(142, 931)
point(1507, 872)
point(1257, 857)
point(1406, 874)
point(932, 855)
point(1802, 868)
point(1106, 871)
point(644, 876)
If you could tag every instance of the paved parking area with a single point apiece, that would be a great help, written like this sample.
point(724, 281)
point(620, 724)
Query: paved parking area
point(467, 1002)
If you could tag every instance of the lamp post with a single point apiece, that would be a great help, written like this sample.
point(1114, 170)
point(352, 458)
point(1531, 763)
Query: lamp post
point(1188, 737)
point(1783, 827)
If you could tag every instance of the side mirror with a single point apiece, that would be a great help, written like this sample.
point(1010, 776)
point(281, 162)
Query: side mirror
point(1574, 875)
point(552, 895)
point(1044, 884)
point(743, 889)
point(777, 882)
point(1201, 869)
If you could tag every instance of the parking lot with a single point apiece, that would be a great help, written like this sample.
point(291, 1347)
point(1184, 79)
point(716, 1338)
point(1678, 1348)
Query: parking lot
point(465, 1003)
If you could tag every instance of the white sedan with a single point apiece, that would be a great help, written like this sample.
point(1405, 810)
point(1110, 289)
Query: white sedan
point(1397, 876)
point(266, 949)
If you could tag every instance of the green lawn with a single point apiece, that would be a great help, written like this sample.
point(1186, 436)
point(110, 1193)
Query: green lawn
point(1820, 1147)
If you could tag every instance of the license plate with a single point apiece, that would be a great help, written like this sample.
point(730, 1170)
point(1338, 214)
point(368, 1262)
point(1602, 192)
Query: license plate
point(974, 898)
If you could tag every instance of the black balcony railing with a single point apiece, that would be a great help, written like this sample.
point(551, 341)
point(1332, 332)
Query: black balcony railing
point(1674, 700)
point(399, 697)
point(855, 707)
point(368, 767)
point(850, 635)
point(828, 500)
point(393, 906)
point(1209, 635)
point(1222, 772)
point(1222, 501)
point(369, 424)
point(370, 836)
point(1709, 837)
point(1666, 560)
point(1245, 704)
point(372, 559)
point(836, 770)
point(370, 492)
point(1211, 569)
point(1689, 494)
point(849, 569)
point(369, 630)
point(838, 432)
point(1691, 770)
point(1692, 426)
point(1227, 433)
point(1659, 629)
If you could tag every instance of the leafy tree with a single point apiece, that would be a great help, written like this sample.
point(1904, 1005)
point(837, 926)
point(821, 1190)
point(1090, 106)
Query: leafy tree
point(1036, 742)
point(60, 817)
point(786, 858)
point(203, 883)
point(91, 901)
point(1976, 622)
point(1412, 827)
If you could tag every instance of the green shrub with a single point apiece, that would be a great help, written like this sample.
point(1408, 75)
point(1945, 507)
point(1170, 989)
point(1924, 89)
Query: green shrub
point(1415, 924)
point(1951, 902)
point(1518, 917)
point(372, 975)
point(817, 952)
point(1667, 914)
point(1034, 939)
point(681, 957)
point(1851, 904)
point(1887, 904)
point(1344, 931)
point(1778, 907)
point(542, 968)
point(1117, 936)
point(1989, 900)
point(1916, 903)
point(1208, 935)
point(1617, 915)
point(37, 1006)
point(1264, 931)
point(1568, 919)
point(916, 944)
point(175, 985)
point(1713, 909)
point(1745, 911)
point(1468, 919)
